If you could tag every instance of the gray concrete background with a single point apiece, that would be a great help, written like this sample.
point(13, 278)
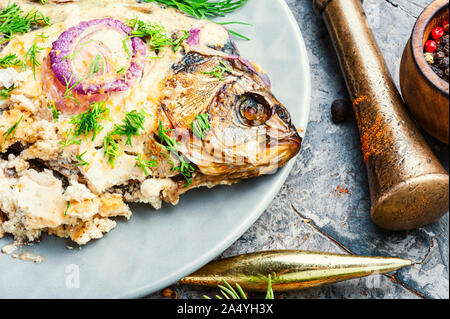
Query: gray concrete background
point(309, 214)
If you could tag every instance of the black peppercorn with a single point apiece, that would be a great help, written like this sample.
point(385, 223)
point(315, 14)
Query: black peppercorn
point(443, 64)
point(438, 55)
point(340, 111)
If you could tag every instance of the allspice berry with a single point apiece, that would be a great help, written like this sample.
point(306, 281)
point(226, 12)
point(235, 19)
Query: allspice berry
point(167, 292)
point(340, 111)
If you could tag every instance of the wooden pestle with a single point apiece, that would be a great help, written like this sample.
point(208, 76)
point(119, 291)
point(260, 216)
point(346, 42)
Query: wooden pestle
point(409, 187)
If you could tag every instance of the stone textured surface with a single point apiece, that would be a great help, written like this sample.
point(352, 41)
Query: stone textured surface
point(309, 214)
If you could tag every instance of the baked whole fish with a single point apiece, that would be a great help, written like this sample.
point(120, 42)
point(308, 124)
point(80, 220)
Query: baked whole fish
point(104, 103)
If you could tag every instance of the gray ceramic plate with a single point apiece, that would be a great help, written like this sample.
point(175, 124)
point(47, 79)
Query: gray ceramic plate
point(155, 249)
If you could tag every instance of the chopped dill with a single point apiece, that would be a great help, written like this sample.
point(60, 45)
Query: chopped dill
point(111, 148)
point(54, 110)
point(219, 70)
point(170, 144)
point(155, 34)
point(42, 35)
point(185, 168)
point(74, 54)
point(144, 164)
point(202, 9)
point(82, 161)
point(14, 20)
point(12, 129)
point(95, 65)
point(5, 93)
point(123, 70)
point(68, 94)
point(30, 57)
point(176, 44)
point(125, 46)
point(132, 122)
point(67, 208)
point(70, 139)
point(9, 61)
point(201, 126)
point(88, 121)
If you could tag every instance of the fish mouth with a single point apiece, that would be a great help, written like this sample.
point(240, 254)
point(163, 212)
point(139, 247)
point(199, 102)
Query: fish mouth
point(239, 161)
point(286, 149)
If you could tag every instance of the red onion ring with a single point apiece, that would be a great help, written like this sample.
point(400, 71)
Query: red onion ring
point(63, 46)
point(194, 38)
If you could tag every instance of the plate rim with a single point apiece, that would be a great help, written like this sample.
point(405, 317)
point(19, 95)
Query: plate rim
point(221, 246)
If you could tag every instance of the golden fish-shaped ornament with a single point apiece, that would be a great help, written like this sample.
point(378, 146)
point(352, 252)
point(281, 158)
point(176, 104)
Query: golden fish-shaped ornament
point(291, 269)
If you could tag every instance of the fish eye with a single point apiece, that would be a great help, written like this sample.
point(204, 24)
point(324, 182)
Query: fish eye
point(254, 109)
point(282, 113)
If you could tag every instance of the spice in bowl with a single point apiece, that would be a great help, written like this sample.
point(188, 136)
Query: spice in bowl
point(437, 50)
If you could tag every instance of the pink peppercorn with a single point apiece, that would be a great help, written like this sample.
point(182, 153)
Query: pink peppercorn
point(430, 46)
point(437, 33)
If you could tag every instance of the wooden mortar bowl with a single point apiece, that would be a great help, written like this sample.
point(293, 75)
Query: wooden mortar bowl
point(424, 92)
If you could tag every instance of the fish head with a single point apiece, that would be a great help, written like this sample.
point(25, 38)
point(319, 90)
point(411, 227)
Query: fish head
point(249, 132)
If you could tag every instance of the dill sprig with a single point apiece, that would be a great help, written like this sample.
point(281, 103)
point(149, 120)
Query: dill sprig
point(144, 164)
point(201, 126)
point(68, 94)
point(9, 60)
point(82, 161)
point(219, 70)
point(202, 9)
point(54, 110)
point(185, 168)
point(176, 43)
point(234, 32)
point(67, 208)
point(125, 47)
point(13, 20)
point(95, 65)
point(70, 139)
point(132, 122)
point(111, 148)
point(75, 53)
point(124, 71)
point(12, 129)
point(121, 70)
point(5, 93)
point(155, 34)
point(228, 292)
point(88, 121)
point(169, 143)
point(30, 57)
